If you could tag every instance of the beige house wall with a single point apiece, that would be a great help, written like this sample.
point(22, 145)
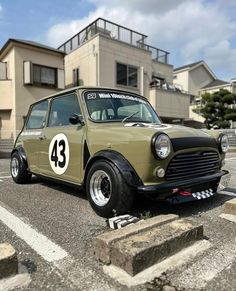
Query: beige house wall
point(195, 116)
point(97, 59)
point(230, 87)
point(5, 124)
point(170, 104)
point(15, 97)
point(7, 98)
point(86, 59)
point(198, 78)
point(182, 80)
point(27, 94)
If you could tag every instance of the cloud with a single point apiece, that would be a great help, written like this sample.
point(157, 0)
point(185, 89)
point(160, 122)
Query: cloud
point(189, 30)
point(222, 57)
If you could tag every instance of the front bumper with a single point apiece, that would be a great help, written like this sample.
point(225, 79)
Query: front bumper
point(171, 189)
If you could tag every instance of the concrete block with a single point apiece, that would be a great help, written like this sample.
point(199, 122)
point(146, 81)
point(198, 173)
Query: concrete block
point(230, 207)
point(103, 242)
point(8, 261)
point(144, 249)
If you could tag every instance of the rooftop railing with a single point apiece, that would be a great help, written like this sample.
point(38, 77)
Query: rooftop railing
point(117, 32)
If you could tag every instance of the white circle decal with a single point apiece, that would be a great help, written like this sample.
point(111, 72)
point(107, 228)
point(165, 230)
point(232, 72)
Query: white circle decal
point(59, 153)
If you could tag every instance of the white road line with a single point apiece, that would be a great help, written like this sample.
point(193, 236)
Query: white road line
point(5, 177)
point(227, 193)
point(50, 251)
point(1, 180)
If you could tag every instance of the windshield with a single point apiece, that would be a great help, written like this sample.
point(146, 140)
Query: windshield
point(107, 106)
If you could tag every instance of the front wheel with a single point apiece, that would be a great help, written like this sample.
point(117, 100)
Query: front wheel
point(19, 170)
point(107, 191)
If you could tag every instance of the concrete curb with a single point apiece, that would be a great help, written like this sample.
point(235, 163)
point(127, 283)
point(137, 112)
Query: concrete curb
point(8, 261)
point(140, 251)
point(230, 207)
point(104, 242)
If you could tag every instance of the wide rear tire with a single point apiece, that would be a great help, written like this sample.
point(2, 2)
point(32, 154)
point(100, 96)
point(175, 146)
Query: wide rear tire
point(19, 171)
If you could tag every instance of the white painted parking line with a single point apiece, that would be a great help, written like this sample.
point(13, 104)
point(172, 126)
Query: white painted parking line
point(52, 253)
point(232, 194)
point(1, 180)
point(47, 249)
point(5, 177)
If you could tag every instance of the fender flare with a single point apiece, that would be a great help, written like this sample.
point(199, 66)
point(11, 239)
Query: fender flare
point(118, 160)
point(21, 152)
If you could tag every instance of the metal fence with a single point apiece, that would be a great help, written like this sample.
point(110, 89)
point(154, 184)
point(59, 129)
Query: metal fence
point(117, 32)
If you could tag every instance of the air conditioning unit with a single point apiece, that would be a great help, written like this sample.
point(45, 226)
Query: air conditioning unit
point(156, 82)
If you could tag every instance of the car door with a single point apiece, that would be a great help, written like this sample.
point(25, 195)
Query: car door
point(32, 133)
point(61, 157)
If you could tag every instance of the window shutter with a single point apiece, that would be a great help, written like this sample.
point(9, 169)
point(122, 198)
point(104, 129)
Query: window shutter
point(60, 79)
point(28, 73)
point(76, 77)
point(3, 71)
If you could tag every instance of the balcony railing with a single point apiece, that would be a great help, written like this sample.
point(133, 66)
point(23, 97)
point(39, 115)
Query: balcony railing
point(117, 32)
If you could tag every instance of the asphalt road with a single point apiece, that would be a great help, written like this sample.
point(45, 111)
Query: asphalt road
point(64, 217)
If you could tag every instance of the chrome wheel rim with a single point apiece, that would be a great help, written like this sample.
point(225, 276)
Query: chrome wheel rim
point(14, 167)
point(100, 188)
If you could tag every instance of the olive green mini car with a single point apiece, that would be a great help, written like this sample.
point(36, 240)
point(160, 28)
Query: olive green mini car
point(112, 143)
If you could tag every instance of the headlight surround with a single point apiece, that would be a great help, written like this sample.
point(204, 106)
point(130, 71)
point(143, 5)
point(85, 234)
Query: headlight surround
point(224, 143)
point(161, 146)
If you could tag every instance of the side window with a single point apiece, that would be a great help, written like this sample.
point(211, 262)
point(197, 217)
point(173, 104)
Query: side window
point(61, 110)
point(38, 115)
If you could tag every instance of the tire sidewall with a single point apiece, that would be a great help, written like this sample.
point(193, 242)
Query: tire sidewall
point(110, 208)
point(22, 176)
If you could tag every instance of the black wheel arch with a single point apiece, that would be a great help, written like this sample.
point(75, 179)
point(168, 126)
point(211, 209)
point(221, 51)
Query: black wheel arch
point(122, 164)
point(20, 150)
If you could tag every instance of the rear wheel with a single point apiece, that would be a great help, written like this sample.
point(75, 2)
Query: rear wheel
point(19, 170)
point(107, 191)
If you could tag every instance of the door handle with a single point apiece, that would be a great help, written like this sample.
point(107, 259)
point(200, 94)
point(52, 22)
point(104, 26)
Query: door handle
point(42, 137)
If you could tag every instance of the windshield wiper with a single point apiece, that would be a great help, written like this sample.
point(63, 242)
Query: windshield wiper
point(129, 116)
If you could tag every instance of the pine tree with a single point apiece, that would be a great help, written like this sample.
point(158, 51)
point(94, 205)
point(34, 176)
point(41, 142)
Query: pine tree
point(218, 109)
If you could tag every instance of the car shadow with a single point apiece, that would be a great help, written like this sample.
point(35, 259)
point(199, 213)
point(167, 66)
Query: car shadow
point(145, 207)
point(72, 190)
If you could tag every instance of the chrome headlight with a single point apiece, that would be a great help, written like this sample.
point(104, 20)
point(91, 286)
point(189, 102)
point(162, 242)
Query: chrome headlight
point(224, 143)
point(161, 146)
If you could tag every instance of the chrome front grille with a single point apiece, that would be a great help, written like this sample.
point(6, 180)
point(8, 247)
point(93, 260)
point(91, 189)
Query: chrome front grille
point(192, 165)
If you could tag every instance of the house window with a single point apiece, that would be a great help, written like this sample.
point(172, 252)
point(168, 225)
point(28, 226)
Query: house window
point(44, 76)
point(127, 75)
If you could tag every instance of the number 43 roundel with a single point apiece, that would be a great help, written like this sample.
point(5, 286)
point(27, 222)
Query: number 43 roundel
point(59, 153)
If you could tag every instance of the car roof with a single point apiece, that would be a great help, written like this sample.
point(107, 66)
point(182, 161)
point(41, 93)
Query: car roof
point(76, 88)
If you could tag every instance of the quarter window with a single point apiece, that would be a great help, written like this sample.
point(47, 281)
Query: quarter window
point(44, 76)
point(38, 115)
point(62, 108)
point(127, 75)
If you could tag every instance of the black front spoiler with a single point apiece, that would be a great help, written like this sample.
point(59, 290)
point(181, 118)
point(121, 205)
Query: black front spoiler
point(165, 190)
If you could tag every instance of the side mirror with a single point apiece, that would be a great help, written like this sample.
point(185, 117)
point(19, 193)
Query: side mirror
point(75, 119)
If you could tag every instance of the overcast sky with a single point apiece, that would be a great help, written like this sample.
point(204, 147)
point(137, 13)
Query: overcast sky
point(191, 30)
